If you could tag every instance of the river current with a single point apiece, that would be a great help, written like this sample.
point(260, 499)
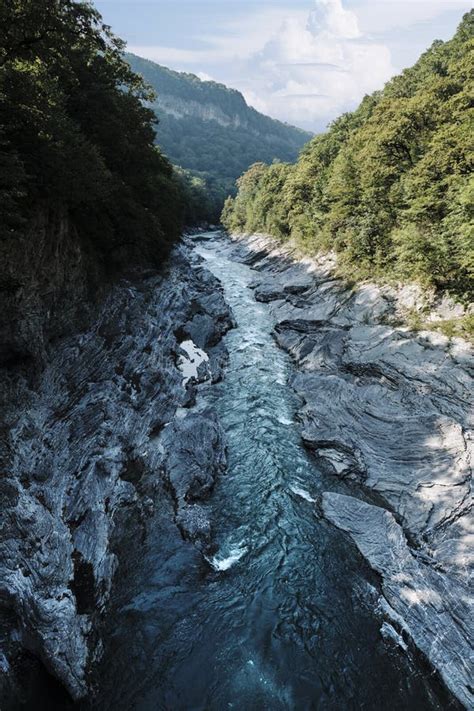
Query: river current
point(282, 615)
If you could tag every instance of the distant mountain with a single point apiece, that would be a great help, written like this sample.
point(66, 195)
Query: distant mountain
point(210, 130)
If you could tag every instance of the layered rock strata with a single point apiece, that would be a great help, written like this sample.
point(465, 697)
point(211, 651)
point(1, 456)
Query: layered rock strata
point(86, 434)
point(391, 411)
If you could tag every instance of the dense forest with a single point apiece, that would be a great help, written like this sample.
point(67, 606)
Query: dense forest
point(389, 187)
point(79, 135)
point(211, 133)
point(76, 134)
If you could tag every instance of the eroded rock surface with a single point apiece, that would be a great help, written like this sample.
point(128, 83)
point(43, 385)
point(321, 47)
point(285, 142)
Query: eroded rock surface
point(83, 441)
point(424, 603)
point(392, 411)
point(195, 457)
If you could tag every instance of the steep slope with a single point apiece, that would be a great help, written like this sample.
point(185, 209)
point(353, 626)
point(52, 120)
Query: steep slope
point(84, 192)
point(89, 358)
point(209, 129)
point(389, 187)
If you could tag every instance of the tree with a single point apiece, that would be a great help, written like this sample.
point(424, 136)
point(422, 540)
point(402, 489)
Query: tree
point(389, 186)
point(74, 124)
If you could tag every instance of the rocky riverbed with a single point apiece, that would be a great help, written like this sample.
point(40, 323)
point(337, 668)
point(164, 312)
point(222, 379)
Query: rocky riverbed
point(391, 411)
point(112, 453)
point(85, 441)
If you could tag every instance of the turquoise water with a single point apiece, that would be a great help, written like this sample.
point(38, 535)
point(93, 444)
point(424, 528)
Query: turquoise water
point(281, 617)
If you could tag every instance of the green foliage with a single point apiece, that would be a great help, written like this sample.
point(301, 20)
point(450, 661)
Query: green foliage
point(390, 186)
point(75, 133)
point(202, 198)
point(462, 327)
point(254, 207)
point(208, 129)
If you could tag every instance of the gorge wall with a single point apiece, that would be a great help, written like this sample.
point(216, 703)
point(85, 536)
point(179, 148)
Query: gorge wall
point(49, 284)
point(390, 412)
point(90, 379)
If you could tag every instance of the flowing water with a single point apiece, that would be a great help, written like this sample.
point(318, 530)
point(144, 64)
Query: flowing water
point(281, 617)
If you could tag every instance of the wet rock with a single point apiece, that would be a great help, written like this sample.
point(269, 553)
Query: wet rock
point(218, 360)
point(266, 293)
point(388, 409)
point(435, 611)
point(283, 286)
point(195, 456)
point(202, 330)
point(194, 523)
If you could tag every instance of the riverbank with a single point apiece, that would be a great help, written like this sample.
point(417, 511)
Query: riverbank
point(87, 440)
point(169, 541)
point(389, 410)
point(279, 612)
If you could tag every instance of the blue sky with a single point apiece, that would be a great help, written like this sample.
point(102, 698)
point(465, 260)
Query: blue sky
point(302, 61)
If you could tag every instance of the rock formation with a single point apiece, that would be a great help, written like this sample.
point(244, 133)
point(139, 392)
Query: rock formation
point(390, 411)
point(88, 418)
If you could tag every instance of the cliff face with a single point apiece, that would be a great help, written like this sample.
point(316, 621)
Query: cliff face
point(286, 139)
point(179, 108)
point(48, 287)
point(86, 387)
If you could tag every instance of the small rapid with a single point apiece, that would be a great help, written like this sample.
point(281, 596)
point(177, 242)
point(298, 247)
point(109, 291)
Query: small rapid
point(281, 616)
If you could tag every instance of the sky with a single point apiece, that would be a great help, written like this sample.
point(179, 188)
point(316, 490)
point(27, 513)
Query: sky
point(301, 61)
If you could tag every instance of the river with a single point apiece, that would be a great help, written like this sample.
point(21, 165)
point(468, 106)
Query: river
point(282, 615)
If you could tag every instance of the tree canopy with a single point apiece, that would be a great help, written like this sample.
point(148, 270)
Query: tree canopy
point(75, 132)
point(389, 186)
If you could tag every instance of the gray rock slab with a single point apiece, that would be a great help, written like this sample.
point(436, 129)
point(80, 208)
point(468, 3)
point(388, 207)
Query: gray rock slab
point(435, 611)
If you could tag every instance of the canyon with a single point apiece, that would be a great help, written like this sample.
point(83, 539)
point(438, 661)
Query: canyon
point(238, 480)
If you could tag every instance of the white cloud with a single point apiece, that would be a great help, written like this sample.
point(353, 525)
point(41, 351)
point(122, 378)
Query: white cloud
point(330, 15)
point(308, 66)
point(240, 38)
point(205, 77)
point(386, 15)
point(312, 70)
point(232, 41)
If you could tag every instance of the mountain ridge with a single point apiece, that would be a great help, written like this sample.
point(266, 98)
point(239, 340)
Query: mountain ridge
point(172, 79)
point(209, 129)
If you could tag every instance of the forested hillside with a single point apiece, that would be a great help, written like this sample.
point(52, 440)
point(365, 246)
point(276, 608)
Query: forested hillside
point(75, 136)
point(389, 186)
point(208, 129)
